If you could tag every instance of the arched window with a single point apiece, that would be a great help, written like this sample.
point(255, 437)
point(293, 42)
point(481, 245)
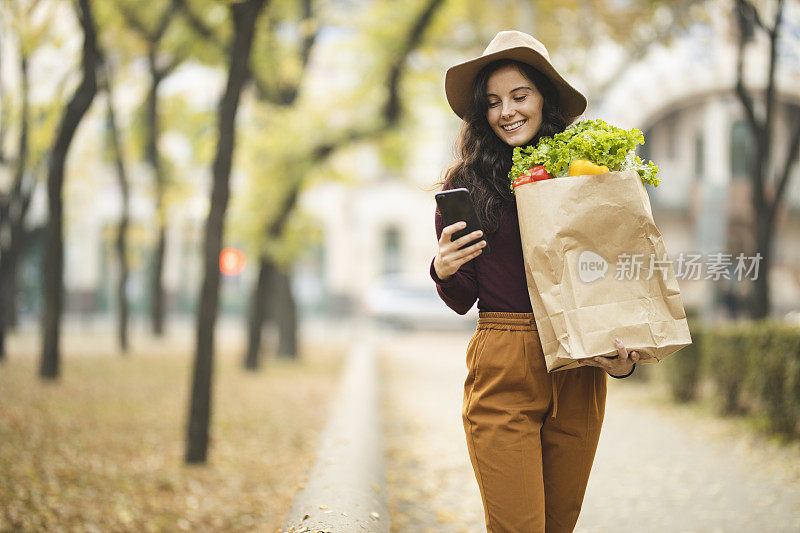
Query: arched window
point(743, 150)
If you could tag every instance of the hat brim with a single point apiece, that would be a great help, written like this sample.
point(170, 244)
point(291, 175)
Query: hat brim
point(459, 78)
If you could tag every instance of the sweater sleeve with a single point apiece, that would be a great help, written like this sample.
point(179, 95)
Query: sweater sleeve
point(460, 290)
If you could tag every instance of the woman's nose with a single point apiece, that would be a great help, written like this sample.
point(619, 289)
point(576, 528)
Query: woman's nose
point(507, 111)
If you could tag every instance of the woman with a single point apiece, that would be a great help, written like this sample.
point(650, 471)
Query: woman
point(531, 435)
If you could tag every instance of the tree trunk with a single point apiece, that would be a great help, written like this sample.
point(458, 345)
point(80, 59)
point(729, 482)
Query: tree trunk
point(9, 282)
point(122, 229)
point(156, 282)
point(54, 247)
point(6, 299)
point(152, 35)
point(12, 215)
point(122, 283)
point(760, 300)
point(257, 314)
point(765, 207)
point(286, 315)
point(264, 294)
point(154, 159)
point(391, 113)
point(244, 16)
point(12, 311)
point(26, 239)
point(760, 303)
point(272, 300)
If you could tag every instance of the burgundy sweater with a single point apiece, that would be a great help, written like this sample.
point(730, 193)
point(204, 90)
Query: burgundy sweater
point(497, 279)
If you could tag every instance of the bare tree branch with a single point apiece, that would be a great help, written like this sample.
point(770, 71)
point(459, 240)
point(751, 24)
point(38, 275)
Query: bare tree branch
point(740, 90)
point(637, 49)
point(22, 158)
point(391, 115)
point(158, 71)
point(765, 202)
point(150, 35)
point(310, 36)
point(752, 18)
point(310, 31)
point(133, 20)
point(122, 227)
point(771, 100)
point(199, 26)
point(277, 225)
point(285, 95)
point(54, 245)
point(392, 109)
point(173, 64)
point(791, 155)
point(747, 103)
point(163, 22)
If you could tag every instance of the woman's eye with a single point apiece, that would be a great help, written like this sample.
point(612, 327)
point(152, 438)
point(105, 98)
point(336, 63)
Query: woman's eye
point(520, 98)
point(494, 104)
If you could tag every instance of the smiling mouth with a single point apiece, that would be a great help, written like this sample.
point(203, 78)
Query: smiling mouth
point(515, 126)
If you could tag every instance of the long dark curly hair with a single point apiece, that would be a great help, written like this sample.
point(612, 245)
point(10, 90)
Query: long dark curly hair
point(483, 159)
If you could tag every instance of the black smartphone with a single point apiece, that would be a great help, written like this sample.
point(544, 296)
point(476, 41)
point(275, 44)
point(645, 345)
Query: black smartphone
point(455, 205)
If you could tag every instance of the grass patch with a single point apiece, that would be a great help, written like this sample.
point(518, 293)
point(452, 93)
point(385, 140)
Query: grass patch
point(102, 448)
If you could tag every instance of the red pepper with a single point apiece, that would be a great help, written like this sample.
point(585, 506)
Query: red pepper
point(522, 180)
point(535, 173)
point(538, 173)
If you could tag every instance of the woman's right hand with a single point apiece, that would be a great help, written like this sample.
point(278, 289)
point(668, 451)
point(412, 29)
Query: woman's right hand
point(449, 258)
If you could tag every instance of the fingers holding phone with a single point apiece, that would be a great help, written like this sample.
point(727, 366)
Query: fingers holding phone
point(466, 243)
point(460, 239)
point(454, 253)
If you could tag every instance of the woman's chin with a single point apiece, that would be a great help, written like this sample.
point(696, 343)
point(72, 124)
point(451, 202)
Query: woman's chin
point(518, 140)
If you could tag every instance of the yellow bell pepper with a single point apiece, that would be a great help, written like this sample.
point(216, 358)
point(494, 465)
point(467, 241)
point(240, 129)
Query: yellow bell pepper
point(580, 167)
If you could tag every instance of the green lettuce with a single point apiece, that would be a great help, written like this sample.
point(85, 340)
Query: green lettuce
point(595, 140)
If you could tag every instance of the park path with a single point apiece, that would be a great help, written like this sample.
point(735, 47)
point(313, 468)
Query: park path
point(659, 467)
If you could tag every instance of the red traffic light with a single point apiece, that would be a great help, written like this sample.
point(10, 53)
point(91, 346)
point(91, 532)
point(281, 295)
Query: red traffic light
point(231, 261)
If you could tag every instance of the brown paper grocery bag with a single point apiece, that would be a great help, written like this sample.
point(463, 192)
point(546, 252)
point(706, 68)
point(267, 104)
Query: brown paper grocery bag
point(582, 237)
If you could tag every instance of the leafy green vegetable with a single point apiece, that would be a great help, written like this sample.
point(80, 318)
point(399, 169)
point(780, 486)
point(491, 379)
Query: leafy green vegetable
point(595, 140)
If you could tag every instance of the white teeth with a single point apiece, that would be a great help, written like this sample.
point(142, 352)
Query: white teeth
point(514, 125)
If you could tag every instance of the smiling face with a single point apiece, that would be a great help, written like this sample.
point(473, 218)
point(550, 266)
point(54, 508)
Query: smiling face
point(515, 106)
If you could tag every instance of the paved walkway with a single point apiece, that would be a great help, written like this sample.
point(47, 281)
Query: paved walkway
point(659, 467)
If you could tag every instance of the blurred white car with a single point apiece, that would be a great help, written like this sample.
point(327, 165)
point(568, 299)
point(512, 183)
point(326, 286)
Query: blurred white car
point(400, 303)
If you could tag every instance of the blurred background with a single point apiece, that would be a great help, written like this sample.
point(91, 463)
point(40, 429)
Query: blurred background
point(266, 169)
point(342, 134)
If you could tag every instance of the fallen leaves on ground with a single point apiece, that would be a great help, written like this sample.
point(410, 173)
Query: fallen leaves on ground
point(102, 448)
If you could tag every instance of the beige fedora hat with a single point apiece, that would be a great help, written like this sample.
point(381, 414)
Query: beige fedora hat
point(510, 45)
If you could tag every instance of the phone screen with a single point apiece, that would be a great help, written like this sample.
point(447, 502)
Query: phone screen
point(455, 205)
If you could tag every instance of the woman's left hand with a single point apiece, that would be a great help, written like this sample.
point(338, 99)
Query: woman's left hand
point(619, 365)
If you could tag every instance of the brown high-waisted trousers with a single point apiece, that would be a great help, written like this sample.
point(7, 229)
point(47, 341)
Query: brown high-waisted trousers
point(531, 435)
